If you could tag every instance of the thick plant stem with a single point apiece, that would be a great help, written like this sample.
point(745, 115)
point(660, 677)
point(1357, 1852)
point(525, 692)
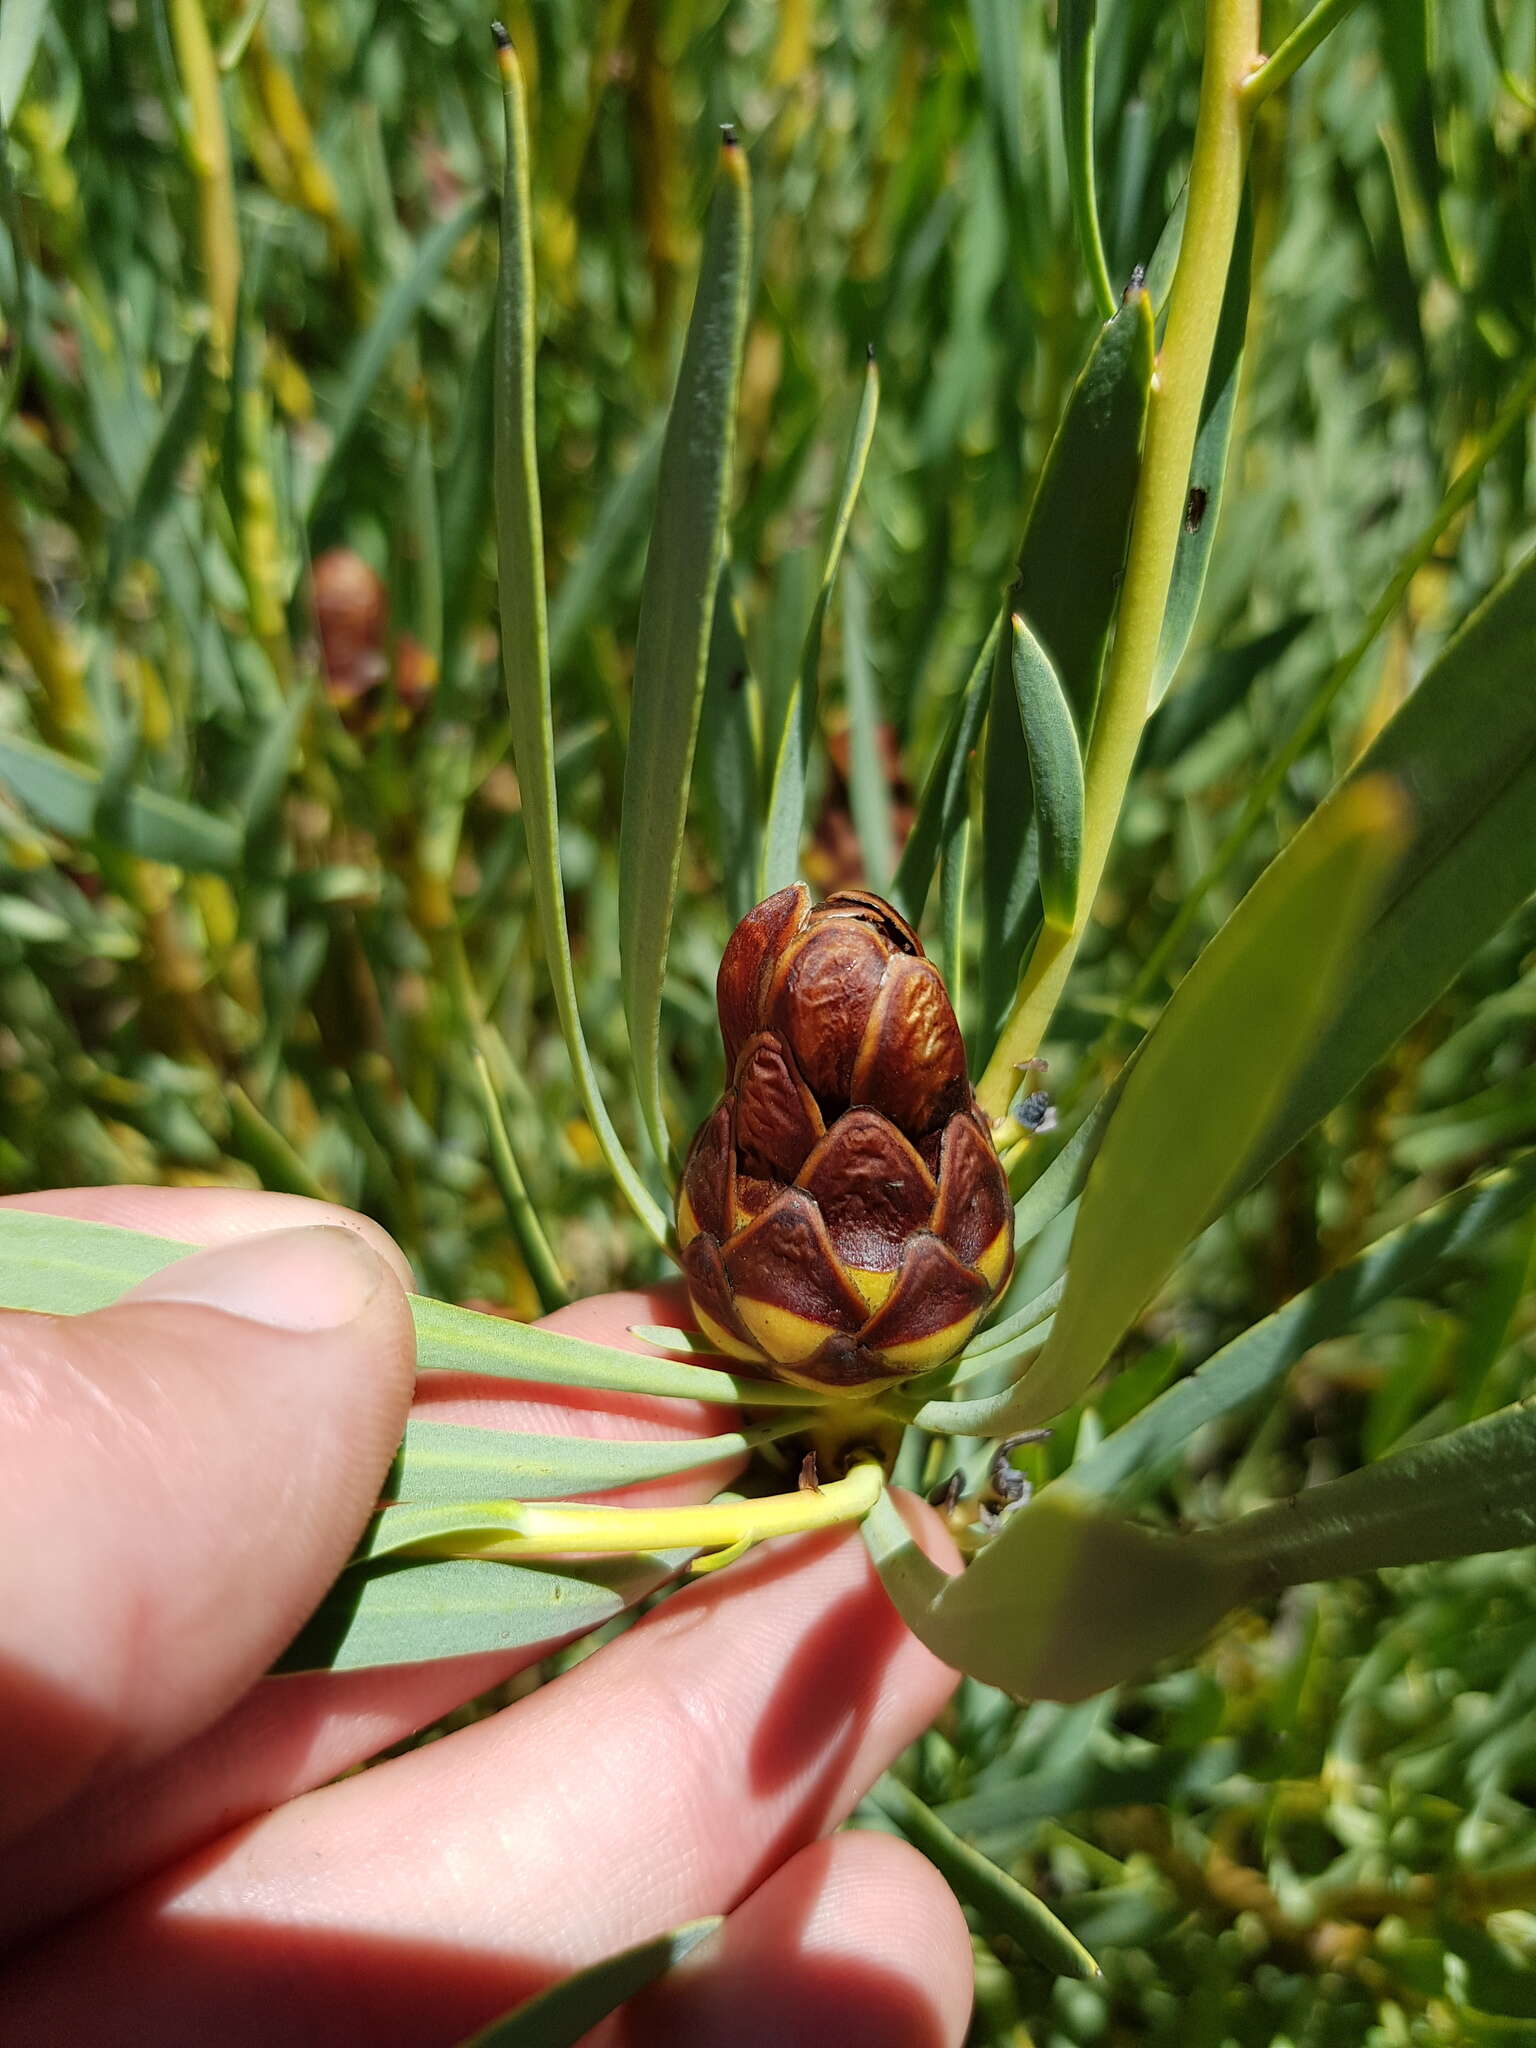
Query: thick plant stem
point(1173, 418)
point(732, 1526)
point(1515, 410)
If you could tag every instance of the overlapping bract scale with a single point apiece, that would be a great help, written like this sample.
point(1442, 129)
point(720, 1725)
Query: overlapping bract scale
point(843, 1215)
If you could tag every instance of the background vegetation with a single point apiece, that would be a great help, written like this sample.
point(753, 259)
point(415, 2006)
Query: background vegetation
point(262, 897)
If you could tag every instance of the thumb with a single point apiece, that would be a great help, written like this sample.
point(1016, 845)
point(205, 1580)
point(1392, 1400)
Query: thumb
point(181, 1477)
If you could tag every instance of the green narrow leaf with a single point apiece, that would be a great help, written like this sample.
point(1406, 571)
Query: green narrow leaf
point(1406, 41)
point(945, 793)
point(1165, 1777)
point(1003, 1905)
point(549, 1283)
point(954, 870)
point(415, 1611)
point(677, 605)
point(65, 797)
point(1067, 1600)
point(1207, 468)
point(1066, 1176)
point(267, 776)
point(464, 492)
point(439, 1463)
point(1055, 774)
point(730, 733)
point(460, 1340)
point(21, 30)
point(569, 2010)
point(1078, 21)
point(1206, 1085)
point(869, 782)
point(524, 629)
point(1138, 1457)
point(786, 802)
point(161, 474)
point(1463, 746)
point(401, 303)
point(588, 582)
point(58, 1266)
point(1067, 587)
point(1225, 678)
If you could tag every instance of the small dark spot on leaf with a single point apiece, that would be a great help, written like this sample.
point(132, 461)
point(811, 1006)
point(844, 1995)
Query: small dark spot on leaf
point(1194, 508)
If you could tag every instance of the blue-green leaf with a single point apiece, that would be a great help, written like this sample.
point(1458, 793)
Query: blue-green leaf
point(1055, 774)
point(1207, 468)
point(1137, 1458)
point(1463, 747)
point(60, 1266)
point(1205, 1087)
point(415, 1611)
point(1067, 1600)
point(1067, 586)
point(676, 614)
point(1003, 1905)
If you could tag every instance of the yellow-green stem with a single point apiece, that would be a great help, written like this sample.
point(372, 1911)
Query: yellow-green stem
point(722, 1525)
point(1294, 51)
point(1173, 418)
point(220, 233)
point(1458, 496)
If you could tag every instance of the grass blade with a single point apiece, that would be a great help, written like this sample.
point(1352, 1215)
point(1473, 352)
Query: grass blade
point(676, 615)
point(524, 628)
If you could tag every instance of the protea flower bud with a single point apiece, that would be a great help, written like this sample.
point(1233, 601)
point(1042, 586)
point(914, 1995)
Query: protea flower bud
point(843, 1216)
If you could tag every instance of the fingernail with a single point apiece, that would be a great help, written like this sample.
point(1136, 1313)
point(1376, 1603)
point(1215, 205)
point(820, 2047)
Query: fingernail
point(319, 1277)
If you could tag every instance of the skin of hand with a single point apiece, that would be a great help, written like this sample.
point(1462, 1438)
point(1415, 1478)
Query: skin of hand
point(181, 1476)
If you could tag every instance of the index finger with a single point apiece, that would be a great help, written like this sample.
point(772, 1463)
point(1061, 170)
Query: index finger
point(291, 1734)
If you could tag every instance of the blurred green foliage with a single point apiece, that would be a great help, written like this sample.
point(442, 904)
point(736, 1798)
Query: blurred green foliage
point(261, 901)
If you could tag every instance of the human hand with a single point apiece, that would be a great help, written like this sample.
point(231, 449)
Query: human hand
point(181, 1476)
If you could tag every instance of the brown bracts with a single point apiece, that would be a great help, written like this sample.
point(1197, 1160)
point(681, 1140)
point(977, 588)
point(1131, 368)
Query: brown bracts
point(843, 1217)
